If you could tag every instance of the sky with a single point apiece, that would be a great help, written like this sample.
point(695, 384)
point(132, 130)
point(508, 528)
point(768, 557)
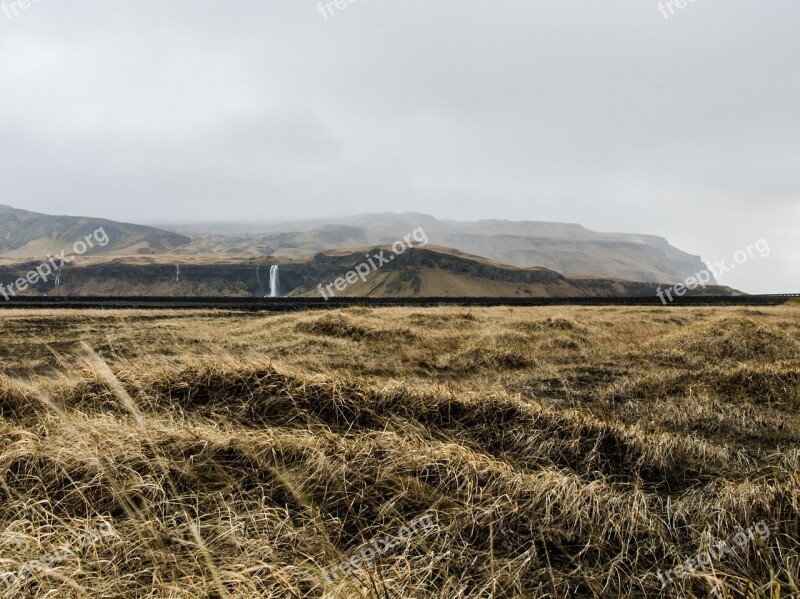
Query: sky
point(623, 116)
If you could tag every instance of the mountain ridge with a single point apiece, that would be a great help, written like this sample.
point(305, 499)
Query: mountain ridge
point(27, 234)
point(564, 247)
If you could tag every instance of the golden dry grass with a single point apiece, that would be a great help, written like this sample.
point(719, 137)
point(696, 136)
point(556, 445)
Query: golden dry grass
point(559, 451)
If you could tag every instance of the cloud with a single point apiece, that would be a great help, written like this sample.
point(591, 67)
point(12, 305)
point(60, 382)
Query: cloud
point(601, 113)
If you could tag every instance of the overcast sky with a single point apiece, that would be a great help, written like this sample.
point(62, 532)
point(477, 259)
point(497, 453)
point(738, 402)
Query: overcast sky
point(603, 113)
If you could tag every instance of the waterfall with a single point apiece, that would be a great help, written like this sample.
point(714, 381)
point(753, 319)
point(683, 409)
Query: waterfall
point(177, 274)
point(274, 281)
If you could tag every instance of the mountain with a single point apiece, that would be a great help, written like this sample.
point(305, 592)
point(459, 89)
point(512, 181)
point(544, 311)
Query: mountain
point(25, 234)
point(428, 271)
point(563, 247)
point(484, 258)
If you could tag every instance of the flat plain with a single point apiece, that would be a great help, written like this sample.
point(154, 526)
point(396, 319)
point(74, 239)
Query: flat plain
point(557, 451)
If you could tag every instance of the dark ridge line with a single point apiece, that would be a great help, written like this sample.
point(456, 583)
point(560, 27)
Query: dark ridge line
point(285, 304)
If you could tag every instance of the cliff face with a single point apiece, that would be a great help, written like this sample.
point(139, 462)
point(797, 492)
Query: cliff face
point(417, 272)
point(630, 259)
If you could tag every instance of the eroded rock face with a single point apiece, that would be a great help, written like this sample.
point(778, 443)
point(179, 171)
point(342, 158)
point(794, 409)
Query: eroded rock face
point(404, 276)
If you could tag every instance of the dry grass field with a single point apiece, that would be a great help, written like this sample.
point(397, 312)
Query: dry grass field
point(552, 452)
